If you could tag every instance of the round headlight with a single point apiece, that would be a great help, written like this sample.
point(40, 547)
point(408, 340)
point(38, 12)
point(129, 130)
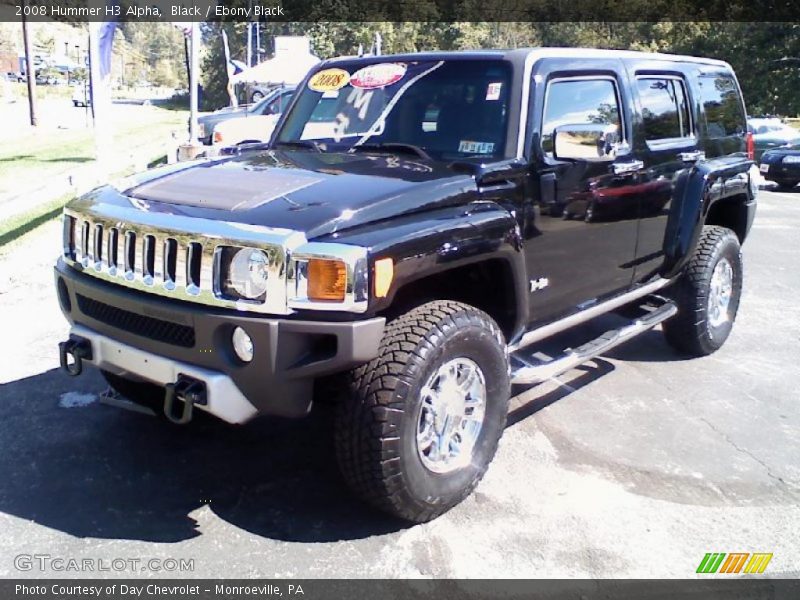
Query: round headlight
point(242, 344)
point(248, 273)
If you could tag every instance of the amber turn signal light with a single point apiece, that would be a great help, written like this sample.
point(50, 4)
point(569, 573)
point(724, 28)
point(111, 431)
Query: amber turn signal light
point(384, 273)
point(327, 280)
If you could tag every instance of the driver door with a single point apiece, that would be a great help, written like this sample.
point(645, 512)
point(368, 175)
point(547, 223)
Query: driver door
point(583, 217)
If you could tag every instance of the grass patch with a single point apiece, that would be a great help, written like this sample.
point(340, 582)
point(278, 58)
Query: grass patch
point(38, 155)
point(21, 224)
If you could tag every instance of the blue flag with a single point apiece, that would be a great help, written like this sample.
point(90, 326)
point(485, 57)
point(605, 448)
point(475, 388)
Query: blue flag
point(106, 43)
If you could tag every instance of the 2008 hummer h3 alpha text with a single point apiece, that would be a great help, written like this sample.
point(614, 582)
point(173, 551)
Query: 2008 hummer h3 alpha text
point(414, 225)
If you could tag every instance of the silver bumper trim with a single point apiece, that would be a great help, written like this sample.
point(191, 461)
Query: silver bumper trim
point(225, 400)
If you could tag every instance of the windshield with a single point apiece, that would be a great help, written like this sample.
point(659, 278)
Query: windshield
point(448, 109)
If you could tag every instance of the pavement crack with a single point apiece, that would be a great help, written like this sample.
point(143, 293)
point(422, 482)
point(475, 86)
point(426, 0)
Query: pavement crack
point(791, 487)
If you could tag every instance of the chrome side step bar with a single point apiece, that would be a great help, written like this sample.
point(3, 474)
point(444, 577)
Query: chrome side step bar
point(540, 333)
point(531, 373)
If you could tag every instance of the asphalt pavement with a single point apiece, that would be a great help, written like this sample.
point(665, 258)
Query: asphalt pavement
point(636, 464)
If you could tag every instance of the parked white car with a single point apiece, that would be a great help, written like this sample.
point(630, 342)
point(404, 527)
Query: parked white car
point(250, 128)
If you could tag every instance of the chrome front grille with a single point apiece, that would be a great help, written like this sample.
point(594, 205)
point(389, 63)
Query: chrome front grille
point(173, 255)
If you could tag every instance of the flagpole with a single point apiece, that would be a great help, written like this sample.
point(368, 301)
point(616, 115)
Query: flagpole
point(30, 72)
point(229, 70)
point(100, 100)
point(193, 71)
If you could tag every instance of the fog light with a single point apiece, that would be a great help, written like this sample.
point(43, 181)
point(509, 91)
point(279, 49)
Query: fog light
point(242, 344)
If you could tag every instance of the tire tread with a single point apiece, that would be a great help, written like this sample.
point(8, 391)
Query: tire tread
point(369, 417)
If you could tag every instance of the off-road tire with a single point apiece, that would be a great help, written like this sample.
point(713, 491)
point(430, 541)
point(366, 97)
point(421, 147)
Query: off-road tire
point(376, 421)
point(690, 331)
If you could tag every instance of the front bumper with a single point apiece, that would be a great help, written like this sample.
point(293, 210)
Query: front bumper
point(155, 339)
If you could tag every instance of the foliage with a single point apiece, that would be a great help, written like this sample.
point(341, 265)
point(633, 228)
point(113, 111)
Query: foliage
point(152, 52)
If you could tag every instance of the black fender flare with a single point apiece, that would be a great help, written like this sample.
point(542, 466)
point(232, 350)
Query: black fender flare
point(696, 190)
point(433, 242)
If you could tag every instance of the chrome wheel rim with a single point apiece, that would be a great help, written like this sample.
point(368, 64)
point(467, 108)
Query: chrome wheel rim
point(720, 293)
point(450, 416)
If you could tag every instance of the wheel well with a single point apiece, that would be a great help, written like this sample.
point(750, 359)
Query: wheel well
point(487, 285)
point(731, 213)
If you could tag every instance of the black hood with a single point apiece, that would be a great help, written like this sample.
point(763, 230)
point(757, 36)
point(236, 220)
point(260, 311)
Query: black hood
point(316, 193)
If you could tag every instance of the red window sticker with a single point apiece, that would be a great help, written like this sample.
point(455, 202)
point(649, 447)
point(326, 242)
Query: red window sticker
point(378, 76)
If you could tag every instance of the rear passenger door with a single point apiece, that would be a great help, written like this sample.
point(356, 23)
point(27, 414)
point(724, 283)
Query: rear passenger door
point(665, 140)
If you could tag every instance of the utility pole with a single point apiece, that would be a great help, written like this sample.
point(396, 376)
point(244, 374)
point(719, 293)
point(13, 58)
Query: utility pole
point(194, 68)
point(249, 44)
point(30, 75)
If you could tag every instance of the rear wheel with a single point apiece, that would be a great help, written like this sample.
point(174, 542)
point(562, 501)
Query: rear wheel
point(422, 421)
point(787, 185)
point(707, 294)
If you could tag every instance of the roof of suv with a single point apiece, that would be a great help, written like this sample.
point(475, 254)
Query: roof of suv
point(534, 53)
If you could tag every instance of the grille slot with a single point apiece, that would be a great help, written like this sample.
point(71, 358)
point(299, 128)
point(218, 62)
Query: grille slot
point(97, 246)
point(130, 253)
point(170, 261)
point(69, 237)
point(194, 257)
point(85, 242)
point(149, 259)
point(141, 325)
point(113, 248)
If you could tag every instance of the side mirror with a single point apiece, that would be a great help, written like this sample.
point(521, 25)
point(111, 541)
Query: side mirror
point(596, 142)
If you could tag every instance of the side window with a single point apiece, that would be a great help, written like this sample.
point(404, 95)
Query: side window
point(723, 108)
point(584, 115)
point(278, 105)
point(665, 108)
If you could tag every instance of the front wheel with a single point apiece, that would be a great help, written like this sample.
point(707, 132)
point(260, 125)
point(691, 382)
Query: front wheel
point(422, 421)
point(707, 294)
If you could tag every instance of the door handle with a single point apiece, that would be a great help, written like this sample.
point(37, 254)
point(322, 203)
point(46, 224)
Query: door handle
point(628, 167)
point(692, 156)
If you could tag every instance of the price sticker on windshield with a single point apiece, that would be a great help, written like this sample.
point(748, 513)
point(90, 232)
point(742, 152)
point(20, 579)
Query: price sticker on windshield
point(329, 80)
point(493, 91)
point(378, 76)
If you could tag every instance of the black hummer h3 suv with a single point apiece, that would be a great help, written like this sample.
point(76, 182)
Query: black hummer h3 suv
point(408, 240)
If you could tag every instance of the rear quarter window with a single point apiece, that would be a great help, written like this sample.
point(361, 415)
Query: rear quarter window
point(724, 113)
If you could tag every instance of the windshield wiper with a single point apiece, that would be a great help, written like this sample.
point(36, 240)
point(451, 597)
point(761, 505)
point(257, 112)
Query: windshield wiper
point(310, 144)
point(396, 147)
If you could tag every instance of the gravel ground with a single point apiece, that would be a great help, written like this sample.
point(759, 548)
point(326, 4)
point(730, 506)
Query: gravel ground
point(634, 465)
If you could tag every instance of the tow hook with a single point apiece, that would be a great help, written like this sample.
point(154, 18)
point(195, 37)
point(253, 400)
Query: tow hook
point(190, 391)
point(77, 347)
